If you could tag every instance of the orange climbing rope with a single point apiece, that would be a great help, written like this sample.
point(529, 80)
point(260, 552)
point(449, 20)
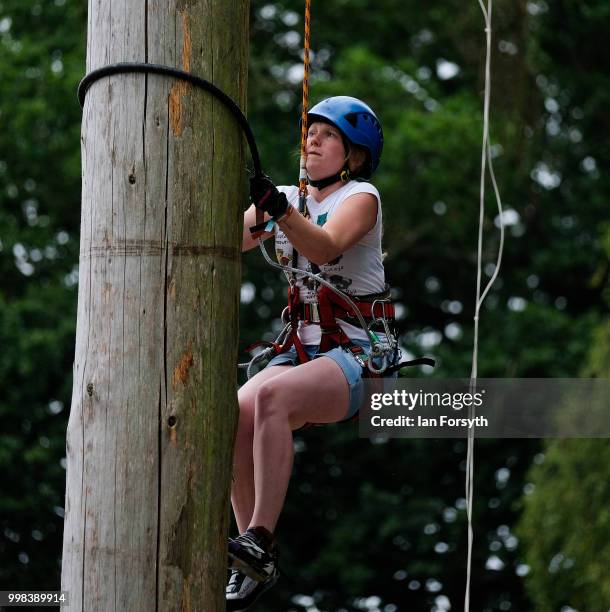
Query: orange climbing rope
point(305, 105)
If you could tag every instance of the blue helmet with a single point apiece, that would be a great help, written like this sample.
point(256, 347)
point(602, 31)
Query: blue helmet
point(356, 121)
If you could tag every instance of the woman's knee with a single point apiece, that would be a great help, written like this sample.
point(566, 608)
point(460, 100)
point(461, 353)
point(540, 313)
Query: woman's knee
point(270, 402)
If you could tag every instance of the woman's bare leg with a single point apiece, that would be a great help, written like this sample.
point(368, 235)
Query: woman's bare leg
point(242, 489)
point(315, 392)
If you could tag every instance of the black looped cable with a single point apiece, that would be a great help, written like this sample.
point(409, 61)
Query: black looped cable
point(413, 362)
point(126, 67)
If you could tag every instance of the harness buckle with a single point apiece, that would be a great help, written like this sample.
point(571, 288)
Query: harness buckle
point(314, 313)
point(311, 312)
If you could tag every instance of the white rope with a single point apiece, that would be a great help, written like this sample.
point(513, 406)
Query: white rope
point(485, 157)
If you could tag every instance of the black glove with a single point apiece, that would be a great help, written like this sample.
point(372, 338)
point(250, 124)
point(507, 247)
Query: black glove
point(264, 195)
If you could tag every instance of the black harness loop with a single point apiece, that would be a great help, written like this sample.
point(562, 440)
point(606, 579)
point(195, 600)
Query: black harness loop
point(134, 67)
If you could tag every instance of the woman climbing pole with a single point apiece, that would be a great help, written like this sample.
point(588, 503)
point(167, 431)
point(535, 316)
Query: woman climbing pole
point(316, 377)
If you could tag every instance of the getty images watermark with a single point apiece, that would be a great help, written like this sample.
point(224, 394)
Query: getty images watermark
point(492, 408)
point(410, 400)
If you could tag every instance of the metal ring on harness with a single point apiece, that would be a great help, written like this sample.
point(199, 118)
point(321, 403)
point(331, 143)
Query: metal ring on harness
point(285, 316)
point(384, 364)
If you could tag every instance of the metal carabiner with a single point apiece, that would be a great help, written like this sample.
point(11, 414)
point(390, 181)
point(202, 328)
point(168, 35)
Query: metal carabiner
point(382, 320)
point(383, 303)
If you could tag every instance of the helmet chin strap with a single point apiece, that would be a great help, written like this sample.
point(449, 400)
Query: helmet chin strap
point(344, 176)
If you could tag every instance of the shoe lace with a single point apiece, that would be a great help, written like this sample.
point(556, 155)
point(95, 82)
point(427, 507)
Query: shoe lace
point(250, 538)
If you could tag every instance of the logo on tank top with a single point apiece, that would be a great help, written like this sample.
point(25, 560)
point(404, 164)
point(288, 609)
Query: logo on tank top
point(340, 282)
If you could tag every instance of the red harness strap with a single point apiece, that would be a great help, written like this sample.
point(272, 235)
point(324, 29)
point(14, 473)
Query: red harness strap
point(332, 334)
point(294, 311)
point(332, 307)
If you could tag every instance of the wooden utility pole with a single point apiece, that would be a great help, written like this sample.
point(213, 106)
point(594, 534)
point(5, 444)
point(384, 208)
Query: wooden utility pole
point(149, 445)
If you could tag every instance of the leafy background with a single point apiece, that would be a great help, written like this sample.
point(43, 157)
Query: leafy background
point(366, 526)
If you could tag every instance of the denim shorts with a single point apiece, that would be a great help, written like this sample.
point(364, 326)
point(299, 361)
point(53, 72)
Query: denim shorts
point(344, 359)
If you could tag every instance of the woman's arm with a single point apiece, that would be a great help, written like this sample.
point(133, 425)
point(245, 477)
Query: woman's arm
point(248, 242)
point(357, 216)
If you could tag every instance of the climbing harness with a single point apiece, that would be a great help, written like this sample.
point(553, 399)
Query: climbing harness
point(485, 157)
point(368, 311)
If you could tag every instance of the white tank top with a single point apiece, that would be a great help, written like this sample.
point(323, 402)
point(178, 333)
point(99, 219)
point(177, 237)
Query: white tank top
point(358, 271)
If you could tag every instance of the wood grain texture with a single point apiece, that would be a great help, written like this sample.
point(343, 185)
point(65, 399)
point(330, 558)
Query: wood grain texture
point(149, 441)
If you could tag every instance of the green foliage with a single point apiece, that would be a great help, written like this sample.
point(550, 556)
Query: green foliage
point(41, 61)
point(566, 519)
point(566, 525)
